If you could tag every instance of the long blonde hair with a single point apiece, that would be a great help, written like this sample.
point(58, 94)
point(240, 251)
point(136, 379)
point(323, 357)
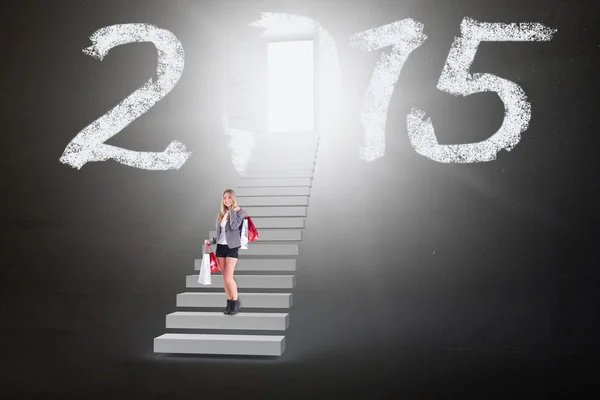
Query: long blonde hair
point(224, 208)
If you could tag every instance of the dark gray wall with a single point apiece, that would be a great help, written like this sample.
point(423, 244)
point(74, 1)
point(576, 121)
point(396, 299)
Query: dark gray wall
point(400, 255)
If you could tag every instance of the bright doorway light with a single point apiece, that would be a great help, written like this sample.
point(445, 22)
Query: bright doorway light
point(291, 80)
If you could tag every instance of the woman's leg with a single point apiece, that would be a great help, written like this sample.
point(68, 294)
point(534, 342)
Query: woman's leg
point(223, 267)
point(228, 278)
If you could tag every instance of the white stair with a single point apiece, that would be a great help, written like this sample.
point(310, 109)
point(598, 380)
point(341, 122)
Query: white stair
point(217, 320)
point(237, 345)
point(246, 282)
point(270, 249)
point(279, 160)
point(269, 165)
point(257, 264)
point(296, 147)
point(274, 190)
point(251, 300)
point(266, 182)
point(276, 201)
point(292, 173)
point(289, 147)
point(276, 211)
point(271, 235)
point(299, 151)
point(268, 137)
point(285, 145)
point(275, 223)
point(267, 249)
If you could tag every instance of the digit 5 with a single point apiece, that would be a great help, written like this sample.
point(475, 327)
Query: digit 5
point(456, 79)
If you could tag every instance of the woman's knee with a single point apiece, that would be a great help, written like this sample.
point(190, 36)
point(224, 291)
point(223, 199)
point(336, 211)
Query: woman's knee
point(228, 278)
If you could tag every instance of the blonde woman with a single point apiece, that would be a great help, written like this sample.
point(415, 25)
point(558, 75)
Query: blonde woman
point(228, 241)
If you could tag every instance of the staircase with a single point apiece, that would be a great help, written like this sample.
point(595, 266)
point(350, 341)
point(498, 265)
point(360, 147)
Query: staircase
point(274, 191)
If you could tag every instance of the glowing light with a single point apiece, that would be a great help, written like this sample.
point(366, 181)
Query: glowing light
point(291, 86)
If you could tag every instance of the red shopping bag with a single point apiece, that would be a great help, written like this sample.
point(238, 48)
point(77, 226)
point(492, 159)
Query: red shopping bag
point(252, 232)
point(214, 267)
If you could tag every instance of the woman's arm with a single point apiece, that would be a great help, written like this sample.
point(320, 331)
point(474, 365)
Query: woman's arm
point(213, 241)
point(236, 218)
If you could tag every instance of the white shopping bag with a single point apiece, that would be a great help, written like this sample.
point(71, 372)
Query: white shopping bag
point(244, 237)
point(204, 275)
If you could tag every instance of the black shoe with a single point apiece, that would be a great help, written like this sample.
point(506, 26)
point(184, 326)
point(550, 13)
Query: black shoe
point(235, 307)
point(229, 306)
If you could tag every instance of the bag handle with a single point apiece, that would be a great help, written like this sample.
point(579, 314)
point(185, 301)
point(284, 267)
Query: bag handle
point(245, 213)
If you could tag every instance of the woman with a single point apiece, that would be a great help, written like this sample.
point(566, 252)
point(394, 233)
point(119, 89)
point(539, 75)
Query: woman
point(228, 241)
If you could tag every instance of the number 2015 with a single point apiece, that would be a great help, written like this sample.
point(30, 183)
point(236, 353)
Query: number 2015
point(403, 37)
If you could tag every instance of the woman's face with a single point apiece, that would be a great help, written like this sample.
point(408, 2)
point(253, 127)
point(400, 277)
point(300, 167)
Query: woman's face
point(227, 200)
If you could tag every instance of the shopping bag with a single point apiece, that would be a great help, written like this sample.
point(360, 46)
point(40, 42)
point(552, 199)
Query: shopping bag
point(214, 267)
point(204, 277)
point(252, 231)
point(244, 237)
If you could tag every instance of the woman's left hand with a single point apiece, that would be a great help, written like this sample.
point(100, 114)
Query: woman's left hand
point(237, 208)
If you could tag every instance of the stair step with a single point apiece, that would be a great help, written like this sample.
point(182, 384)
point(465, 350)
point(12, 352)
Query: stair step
point(247, 345)
point(288, 153)
point(268, 164)
point(257, 264)
point(248, 201)
point(251, 300)
point(270, 249)
point(285, 144)
point(257, 248)
point(269, 142)
point(288, 149)
point(278, 222)
point(276, 173)
point(247, 281)
point(293, 154)
point(268, 182)
point(218, 320)
point(284, 211)
point(266, 143)
point(270, 235)
point(273, 191)
point(287, 136)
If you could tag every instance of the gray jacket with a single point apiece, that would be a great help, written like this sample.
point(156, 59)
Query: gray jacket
point(233, 229)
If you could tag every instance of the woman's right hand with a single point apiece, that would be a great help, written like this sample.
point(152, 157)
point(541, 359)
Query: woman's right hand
point(207, 243)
